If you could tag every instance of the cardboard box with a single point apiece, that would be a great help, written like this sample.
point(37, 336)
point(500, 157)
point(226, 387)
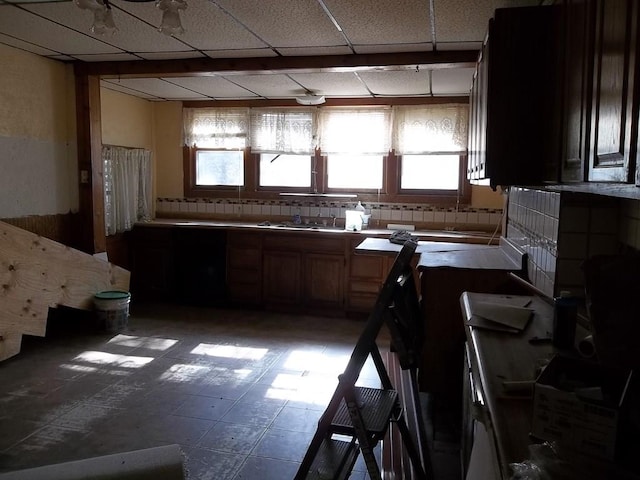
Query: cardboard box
point(578, 404)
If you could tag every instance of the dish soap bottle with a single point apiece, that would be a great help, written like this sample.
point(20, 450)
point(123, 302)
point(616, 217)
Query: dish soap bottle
point(359, 207)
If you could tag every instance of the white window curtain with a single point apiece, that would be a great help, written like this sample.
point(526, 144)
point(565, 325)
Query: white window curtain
point(430, 129)
point(216, 127)
point(355, 130)
point(127, 187)
point(285, 131)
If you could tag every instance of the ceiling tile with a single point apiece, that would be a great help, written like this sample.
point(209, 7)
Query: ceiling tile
point(26, 26)
point(14, 42)
point(114, 85)
point(169, 55)
point(268, 86)
point(107, 57)
point(467, 20)
point(337, 84)
point(212, 86)
point(397, 83)
point(286, 23)
point(131, 35)
point(370, 21)
point(312, 51)
point(254, 52)
point(156, 87)
point(454, 81)
point(401, 47)
point(206, 26)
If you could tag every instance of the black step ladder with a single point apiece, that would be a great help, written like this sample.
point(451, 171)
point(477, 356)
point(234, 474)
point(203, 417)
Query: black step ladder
point(357, 418)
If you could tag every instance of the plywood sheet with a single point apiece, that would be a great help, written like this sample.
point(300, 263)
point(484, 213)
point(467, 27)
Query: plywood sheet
point(37, 273)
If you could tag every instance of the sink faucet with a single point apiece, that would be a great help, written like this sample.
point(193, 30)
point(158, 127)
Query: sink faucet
point(333, 217)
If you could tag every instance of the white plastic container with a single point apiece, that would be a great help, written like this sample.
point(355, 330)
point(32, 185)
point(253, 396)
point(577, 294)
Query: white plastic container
point(112, 309)
point(353, 221)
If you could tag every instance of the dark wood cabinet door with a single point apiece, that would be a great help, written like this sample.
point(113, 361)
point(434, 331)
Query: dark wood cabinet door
point(281, 278)
point(613, 86)
point(578, 23)
point(323, 280)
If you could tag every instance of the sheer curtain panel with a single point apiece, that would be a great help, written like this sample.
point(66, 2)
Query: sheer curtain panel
point(216, 127)
point(362, 131)
point(283, 131)
point(127, 187)
point(430, 129)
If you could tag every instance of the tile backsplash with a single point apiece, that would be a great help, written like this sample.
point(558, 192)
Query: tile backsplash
point(559, 230)
point(425, 216)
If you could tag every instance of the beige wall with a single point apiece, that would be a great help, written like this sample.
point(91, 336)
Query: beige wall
point(34, 96)
point(38, 160)
point(127, 121)
point(484, 197)
point(168, 149)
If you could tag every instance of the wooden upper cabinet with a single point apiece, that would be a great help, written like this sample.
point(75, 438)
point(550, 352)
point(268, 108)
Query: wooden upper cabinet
point(613, 118)
point(578, 26)
point(515, 137)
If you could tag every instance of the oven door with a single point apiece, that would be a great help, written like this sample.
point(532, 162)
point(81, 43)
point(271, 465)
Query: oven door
point(477, 445)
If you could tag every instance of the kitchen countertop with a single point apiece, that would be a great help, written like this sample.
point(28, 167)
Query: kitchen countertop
point(434, 235)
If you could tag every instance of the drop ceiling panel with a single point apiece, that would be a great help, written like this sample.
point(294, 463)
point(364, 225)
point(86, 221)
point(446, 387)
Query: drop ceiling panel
point(26, 26)
point(156, 87)
point(400, 47)
point(268, 86)
point(286, 23)
point(312, 51)
point(370, 21)
point(107, 57)
point(169, 55)
point(397, 83)
point(455, 81)
point(212, 86)
point(206, 26)
point(132, 35)
point(114, 85)
point(467, 20)
point(339, 84)
point(254, 52)
point(14, 42)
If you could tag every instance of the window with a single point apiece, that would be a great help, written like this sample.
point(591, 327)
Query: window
point(413, 153)
point(354, 172)
point(278, 170)
point(223, 168)
point(430, 172)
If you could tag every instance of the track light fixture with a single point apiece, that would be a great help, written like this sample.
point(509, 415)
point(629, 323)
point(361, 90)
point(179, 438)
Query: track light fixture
point(103, 23)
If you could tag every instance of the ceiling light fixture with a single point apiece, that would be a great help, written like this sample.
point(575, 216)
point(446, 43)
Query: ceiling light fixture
point(310, 99)
point(103, 23)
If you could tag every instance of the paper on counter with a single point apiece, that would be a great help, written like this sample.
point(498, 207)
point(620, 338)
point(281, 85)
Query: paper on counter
point(499, 316)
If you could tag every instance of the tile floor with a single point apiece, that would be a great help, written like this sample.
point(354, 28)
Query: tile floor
point(240, 391)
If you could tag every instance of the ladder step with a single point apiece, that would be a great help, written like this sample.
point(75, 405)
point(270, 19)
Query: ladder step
point(376, 407)
point(334, 460)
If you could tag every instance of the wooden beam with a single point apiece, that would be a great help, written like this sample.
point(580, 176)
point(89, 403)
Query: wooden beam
point(331, 102)
point(90, 171)
point(266, 65)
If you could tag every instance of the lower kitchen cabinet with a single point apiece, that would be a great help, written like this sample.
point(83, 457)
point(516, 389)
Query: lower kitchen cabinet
point(152, 263)
point(281, 278)
point(324, 280)
point(244, 268)
point(304, 271)
point(366, 274)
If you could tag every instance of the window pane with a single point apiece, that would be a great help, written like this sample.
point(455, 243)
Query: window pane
point(221, 168)
point(285, 170)
point(430, 172)
point(354, 171)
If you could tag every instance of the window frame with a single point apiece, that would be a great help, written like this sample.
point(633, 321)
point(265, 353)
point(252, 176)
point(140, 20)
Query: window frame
point(390, 193)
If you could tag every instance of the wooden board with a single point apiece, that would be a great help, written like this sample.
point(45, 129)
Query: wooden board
point(37, 273)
